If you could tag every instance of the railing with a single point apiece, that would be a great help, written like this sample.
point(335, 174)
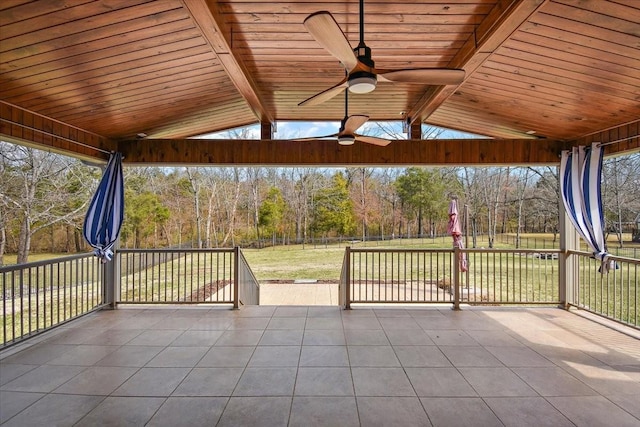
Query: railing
point(175, 276)
point(37, 296)
point(248, 288)
point(186, 276)
point(615, 295)
point(506, 276)
point(510, 276)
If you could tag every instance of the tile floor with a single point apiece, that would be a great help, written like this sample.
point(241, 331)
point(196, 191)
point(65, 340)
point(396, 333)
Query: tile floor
point(321, 366)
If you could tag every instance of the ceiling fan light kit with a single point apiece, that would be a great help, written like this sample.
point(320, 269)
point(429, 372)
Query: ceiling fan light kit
point(362, 82)
point(346, 139)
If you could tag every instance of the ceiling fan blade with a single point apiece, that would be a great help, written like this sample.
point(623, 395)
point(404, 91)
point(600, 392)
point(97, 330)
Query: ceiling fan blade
point(325, 95)
point(430, 76)
point(311, 138)
point(326, 31)
point(373, 140)
point(352, 123)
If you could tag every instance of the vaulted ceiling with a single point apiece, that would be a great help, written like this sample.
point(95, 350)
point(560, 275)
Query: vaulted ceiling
point(102, 72)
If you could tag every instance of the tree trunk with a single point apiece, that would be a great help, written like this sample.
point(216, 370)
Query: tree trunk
point(24, 243)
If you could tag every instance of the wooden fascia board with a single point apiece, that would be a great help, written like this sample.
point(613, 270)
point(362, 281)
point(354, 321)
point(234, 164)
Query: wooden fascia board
point(25, 127)
point(328, 153)
point(213, 30)
point(502, 21)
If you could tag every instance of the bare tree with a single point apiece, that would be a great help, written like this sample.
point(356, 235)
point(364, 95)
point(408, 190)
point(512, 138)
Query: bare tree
point(37, 194)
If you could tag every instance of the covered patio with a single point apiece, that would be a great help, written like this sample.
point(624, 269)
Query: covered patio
point(140, 77)
point(321, 365)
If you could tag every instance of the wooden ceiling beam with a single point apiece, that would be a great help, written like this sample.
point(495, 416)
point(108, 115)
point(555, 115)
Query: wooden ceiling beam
point(324, 153)
point(502, 21)
point(212, 26)
point(25, 127)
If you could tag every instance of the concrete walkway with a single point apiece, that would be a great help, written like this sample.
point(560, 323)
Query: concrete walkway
point(299, 294)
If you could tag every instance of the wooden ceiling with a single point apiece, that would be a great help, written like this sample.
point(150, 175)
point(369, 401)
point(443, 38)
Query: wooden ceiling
point(101, 72)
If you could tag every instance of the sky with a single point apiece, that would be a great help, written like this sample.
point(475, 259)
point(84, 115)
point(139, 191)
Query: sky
point(293, 130)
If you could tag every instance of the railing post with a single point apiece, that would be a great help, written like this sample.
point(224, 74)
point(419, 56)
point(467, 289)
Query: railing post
point(456, 278)
point(568, 268)
point(111, 279)
point(236, 277)
point(347, 280)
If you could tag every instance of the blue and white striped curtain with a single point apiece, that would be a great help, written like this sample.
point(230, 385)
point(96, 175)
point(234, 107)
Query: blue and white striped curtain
point(106, 210)
point(580, 185)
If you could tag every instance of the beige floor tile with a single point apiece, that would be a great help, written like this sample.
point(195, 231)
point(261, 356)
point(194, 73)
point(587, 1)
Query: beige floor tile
point(553, 382)
point(130, 355)
point(366, 337)
point(97, 380)
point(114, 337)
point(494, 338)
point(324, 337)
point(459, 412)
point(11, 371)
point(372, 356)
point(43, 379)
point(527, 412)
point(15, 401)
point(266, 382)
point(468, 356)
point(152, 337)
point(363, 322)
point(275, 356)
point(381, 382)
point(74, 336)
point(496, 382)
point(212, 324)
point(197, 338)
point(628, 402)
point(189, 411)
point(323, 411)
point(83, 355)
point(408, 337)
point(239, 338)
point(244, 323)
point(178, 357)
point(324, 323)
point(331, 355)
point(324, 311)
point(38, 354)
point(291, 311)
point(226, 357)
point(324, 381)
point(122, 411)
point(46, 411)
point(287, 323)
point(399, 323)
point(209, 382)
point(593, 411)
point(152, 382)
point(450, 337)
point(282, 337)
point(437, 382)
point(391, 411)
point(421, 356)
point(256, 412)
point(519, 356)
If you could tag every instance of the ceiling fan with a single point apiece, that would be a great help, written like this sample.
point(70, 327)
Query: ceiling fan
point(362, 75)
point(348, 126)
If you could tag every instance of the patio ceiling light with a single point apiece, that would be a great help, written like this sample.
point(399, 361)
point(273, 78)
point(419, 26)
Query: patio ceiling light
point(346, 139)
point(362, 82)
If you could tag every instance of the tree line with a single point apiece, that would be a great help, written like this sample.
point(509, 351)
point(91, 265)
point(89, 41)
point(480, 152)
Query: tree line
point(44, 197)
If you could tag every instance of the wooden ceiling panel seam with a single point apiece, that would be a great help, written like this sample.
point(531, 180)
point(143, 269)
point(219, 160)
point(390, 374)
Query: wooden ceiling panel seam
point(503, 20)
point(103, 47)
point(66, 15)
point(119, 86)
point(82, 32)
point(568, 77)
